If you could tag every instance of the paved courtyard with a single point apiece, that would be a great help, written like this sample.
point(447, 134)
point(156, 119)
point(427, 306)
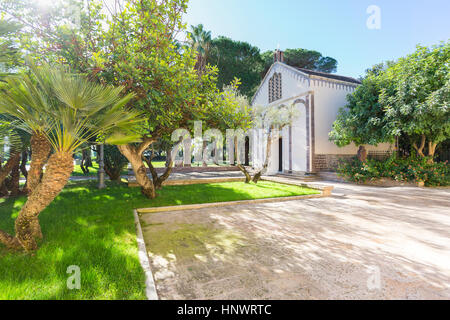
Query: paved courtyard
point(361, 243)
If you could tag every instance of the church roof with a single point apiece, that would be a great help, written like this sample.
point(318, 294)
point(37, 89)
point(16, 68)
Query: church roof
point(306, 73)
point(328, 75)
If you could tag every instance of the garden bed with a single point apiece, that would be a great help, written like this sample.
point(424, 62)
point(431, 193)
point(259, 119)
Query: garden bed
point(396, 171)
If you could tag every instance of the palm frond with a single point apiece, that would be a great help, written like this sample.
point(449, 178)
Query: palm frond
point(67, 108)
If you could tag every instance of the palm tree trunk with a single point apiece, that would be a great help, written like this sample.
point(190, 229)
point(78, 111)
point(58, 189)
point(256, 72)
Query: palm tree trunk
point(56, 176)
point(3, 190)
point(40, 151)
point(10, 164)
point(9, 241)
point(15, 179)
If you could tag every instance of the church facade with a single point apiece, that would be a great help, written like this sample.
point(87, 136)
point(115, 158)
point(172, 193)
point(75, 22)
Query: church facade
point(304, 146)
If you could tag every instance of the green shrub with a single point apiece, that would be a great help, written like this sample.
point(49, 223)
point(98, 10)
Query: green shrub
point(410, 169)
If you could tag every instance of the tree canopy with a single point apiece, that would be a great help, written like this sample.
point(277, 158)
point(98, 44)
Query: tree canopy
point(409, 97)
point(236, 59)
point(303, 58)
point(362, 120)
point(242, 60)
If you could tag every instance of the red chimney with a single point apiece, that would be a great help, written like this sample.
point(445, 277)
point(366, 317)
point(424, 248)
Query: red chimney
point(278, 55)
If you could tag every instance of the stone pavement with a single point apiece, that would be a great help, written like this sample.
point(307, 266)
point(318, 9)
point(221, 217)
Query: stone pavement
point(361, 243)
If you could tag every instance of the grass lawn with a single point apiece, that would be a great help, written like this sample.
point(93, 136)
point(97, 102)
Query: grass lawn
point(77, 172)
point(225, 191)
point(94, 229)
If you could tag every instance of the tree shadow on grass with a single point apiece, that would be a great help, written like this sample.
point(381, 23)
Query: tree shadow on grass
point(80, 229)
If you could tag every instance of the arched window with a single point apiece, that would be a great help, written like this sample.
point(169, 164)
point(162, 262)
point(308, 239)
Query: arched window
point(275, 88)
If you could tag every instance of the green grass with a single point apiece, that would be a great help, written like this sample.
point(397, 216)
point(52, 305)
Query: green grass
point(221, 192)
point(94, 229)
point(77, 172)
point(159, 164)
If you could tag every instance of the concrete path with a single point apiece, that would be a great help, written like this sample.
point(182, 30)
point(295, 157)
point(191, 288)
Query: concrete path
point(361, 243)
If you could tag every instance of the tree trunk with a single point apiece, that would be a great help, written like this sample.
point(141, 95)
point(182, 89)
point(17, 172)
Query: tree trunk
point(205, 144)
point(85, 161)
point(10, 164)
point(9, 241)
point(164, 176)
point(431, 151)
point(152, 168)
point(113, 176)
point(248, 178)
point(258, 175)
point(15, 179)
point(362, 154)
point(59, 169)
point(3, 190)
point(134, 156)
point(422, 146)
point(158, 181)
point(40, 151)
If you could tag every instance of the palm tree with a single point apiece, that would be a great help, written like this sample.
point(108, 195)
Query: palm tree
point(30, 100)
point(201, 43)
point(9, 139)
point(74, 110)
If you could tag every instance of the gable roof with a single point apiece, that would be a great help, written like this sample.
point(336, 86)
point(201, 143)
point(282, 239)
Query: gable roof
point(329, 75)
point(305, 73)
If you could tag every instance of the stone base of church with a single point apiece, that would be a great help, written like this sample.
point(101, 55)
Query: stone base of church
point(329, 162)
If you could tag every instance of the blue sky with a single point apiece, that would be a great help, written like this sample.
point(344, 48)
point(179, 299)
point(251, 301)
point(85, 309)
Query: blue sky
point(334, 28)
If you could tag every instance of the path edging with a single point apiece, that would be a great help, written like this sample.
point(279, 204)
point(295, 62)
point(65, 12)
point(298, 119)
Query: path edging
point(150, 287)
point(227, 203)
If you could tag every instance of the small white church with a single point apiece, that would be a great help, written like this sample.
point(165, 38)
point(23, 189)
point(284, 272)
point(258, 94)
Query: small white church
point(304, 146)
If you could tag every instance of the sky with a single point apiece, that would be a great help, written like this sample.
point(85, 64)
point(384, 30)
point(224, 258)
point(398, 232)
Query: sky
point(335, 28)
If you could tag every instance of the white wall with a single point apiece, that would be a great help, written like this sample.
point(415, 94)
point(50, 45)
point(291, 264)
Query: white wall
point(299, 143)
point(293, 85)
point(328, 98)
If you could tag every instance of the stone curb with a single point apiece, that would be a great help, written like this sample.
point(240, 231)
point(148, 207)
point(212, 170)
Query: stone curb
point(150, 287)
point(228, 203)
point(326, 190)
